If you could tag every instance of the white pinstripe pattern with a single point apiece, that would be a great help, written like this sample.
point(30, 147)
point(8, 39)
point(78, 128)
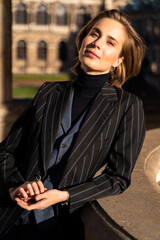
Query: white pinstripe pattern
point(88, 144)
point(94, 195)
point(7, 220)
point(91, 160)
point(3, 215)
point(119, 122)
point(45, 126)
point(84, 161)
point(131, 145)
point(52, 127)
point(10, 145)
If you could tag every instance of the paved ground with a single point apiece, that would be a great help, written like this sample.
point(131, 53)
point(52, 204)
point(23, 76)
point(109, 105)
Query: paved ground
point(137, 210)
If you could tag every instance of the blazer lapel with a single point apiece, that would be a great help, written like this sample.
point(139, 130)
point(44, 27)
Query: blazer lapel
point(53, 114)
point(93, 125)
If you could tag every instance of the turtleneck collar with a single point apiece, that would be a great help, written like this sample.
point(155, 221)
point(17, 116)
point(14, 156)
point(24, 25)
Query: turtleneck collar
point(90, 85)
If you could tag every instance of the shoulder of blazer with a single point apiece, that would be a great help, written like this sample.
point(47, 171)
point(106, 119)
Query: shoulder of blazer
point(48, 88)
point(126, 96)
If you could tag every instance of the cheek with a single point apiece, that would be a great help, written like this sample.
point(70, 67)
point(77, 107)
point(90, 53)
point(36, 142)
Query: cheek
point(83, 45)
point(86, 41)
point(80, 54)
point(110, 54)
point(82, 49)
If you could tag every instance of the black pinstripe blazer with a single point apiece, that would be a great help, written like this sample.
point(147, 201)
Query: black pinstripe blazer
point(111, 135)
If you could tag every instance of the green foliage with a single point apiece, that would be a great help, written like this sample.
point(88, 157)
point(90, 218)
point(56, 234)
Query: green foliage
point(42, 77)
point(24, 92)
point(24, 83)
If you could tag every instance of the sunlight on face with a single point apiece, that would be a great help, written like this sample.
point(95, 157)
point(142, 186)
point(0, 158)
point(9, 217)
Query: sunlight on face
point(102, 46)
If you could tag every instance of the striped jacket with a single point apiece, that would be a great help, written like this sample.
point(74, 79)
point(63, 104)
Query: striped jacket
point(111, 136)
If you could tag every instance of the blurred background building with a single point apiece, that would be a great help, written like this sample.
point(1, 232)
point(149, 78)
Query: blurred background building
point(44, 32)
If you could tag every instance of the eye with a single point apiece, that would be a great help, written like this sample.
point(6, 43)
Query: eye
point(110, 43)
point(94, 34)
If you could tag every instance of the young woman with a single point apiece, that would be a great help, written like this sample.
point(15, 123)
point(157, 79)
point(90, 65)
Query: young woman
point(70, 130)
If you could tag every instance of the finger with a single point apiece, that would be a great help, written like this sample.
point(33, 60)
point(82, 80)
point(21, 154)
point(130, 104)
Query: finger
point(30, 189)
point(41, 186)
point(23, 204)
point(41, 196)
point(19, 201)
point(35, 188)
point(29, 206)
point(22, 193)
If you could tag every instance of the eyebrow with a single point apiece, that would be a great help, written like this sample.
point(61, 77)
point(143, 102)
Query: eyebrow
point(109, 36)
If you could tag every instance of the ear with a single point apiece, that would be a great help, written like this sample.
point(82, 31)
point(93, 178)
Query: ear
point(118, 61)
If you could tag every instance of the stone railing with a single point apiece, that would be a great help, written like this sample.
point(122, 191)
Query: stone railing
point(135, 214)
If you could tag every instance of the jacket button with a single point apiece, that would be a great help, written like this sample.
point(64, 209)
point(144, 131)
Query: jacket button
point(63, 145)
point(6, 156)
point(37, 177)
point(48, 178)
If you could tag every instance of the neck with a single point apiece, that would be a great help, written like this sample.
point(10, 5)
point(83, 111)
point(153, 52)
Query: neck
point(90, 85)
point(89, 72)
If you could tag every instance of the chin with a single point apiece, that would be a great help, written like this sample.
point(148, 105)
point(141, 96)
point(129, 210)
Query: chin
point(89, 67)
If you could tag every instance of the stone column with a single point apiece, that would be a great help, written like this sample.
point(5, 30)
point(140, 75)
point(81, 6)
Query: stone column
point(5, 52)
point(5, 63)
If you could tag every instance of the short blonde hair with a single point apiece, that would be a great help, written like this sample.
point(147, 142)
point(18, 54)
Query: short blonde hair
point(133, 50)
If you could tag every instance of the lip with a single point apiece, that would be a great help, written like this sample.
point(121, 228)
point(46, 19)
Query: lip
point(91, 54)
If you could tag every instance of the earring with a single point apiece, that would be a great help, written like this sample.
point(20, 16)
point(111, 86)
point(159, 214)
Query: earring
point(112, 69)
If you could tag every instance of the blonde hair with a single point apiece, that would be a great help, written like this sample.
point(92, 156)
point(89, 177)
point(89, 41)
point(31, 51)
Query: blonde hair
point(133, 50)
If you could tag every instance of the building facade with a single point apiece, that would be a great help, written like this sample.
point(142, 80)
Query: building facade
point(44, 32)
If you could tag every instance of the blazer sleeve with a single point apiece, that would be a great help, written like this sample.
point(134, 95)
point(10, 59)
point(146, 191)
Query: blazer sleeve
point(116, 176)
point(17, 137)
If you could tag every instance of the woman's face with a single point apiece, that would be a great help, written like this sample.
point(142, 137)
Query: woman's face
point(101, 48)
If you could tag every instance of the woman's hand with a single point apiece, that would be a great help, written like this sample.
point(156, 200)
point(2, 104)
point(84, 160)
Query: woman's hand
point(27, 191)
point(44, 200)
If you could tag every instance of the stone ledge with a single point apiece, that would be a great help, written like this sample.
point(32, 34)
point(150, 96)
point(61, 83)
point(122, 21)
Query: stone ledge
point(100, 226)
point(135, 214)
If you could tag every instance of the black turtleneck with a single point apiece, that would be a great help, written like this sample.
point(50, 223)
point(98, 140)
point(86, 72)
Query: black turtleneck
point(86, 87)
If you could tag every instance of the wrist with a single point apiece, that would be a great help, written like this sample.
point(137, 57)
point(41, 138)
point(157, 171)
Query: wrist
point(66, 198)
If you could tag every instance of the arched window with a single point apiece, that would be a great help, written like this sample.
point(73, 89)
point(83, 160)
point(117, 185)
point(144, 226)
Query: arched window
point(61, 15)
point(21, 14)
point(42, 16)
point(42, 50)
point(63, 52)
point(21, 49)
point(80, 16)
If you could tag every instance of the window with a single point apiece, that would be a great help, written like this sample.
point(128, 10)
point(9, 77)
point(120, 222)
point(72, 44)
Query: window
point(63, 51)
point(149, 25)
point(42, 50)
point(61, 15)
point(21, 14)
point(42, 16)
point(21, 50)
point(80, 16)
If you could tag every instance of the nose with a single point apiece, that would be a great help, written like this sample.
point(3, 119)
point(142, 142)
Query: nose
point(98, 43)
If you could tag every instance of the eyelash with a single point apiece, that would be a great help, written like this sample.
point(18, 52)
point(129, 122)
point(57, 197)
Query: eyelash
point(94, 34)
point(108, 42)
